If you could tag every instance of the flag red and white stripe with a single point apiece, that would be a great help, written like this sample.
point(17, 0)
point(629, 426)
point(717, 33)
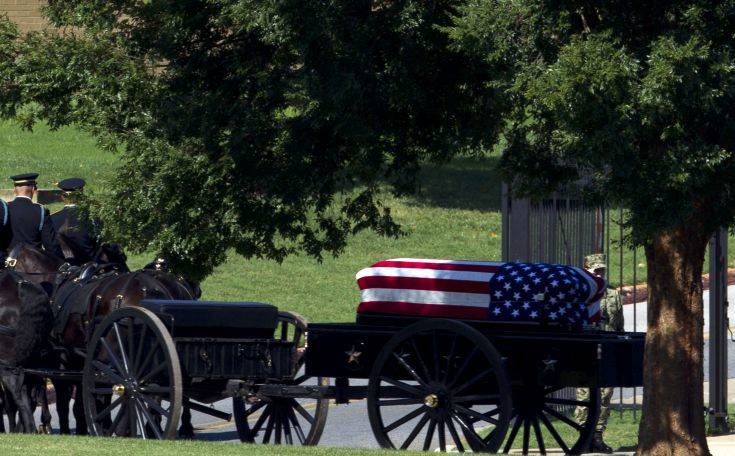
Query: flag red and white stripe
point(439, 288)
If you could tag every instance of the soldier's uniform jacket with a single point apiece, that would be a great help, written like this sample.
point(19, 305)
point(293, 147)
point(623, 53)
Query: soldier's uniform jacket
point(611, 307)
point(4, 230)
point(30, 223)
point(68, 222)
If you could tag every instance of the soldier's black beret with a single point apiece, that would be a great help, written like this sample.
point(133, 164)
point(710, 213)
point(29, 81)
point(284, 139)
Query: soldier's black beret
point(24, 179)
point(71, 184)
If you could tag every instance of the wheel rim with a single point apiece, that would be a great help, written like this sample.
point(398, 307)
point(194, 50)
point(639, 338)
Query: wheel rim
point(540, 420)
point(132, 378)
point(279, 420)
point(439, 385)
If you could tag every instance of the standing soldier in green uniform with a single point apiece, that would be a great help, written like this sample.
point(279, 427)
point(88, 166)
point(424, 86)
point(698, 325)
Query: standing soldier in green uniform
point(611, 308)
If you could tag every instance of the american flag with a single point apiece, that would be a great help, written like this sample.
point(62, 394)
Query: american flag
point(481, 290)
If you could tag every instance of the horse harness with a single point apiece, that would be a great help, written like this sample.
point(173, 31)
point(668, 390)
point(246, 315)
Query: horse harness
point(74, 290)
point(12, 258)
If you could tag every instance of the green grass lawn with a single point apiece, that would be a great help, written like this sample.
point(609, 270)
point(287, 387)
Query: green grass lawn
point(79, 446)
point(55, 155)
point(621, 433)
point(456, 215)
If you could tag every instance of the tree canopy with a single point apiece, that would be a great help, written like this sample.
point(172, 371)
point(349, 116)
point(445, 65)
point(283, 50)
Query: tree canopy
point(634, 100)
point(634, 103)
point(269, 127)
point(265, 127)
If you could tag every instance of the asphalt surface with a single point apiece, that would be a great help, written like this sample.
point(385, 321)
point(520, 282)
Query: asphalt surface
point(347, 425)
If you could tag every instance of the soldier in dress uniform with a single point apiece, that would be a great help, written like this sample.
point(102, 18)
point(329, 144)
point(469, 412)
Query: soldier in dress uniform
point(4, 231)
point(71, 223)
point(30, 222)
point(611, 308)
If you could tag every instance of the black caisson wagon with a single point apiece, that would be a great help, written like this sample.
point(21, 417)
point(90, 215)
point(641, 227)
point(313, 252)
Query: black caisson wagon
point(430, 383)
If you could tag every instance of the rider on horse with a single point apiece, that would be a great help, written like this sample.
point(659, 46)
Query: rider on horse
point(71, 223)
point(28, 221)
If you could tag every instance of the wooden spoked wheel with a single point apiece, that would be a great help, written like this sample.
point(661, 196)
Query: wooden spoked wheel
point(284, 420)
point(439, 385)
point(132, 378)
point(547, 425)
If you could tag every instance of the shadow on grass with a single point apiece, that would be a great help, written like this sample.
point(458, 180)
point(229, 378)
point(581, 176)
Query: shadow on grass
point(464, 183)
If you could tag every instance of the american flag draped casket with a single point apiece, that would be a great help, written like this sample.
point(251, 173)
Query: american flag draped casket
point(482, 290)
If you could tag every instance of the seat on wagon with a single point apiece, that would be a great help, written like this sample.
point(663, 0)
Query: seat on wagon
point(481, 290)
point(240, 320)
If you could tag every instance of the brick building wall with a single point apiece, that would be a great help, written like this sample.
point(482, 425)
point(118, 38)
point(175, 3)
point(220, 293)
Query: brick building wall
point(25, 13)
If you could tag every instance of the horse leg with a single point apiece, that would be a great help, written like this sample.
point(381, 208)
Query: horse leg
point(186, 431)
point(45, 427)
point(3, 402)
point(63, 397)
point(11, 408)
point(20, 394)
point(79, 415)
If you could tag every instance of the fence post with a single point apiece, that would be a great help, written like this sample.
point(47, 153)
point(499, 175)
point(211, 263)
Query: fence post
point(516, 220)
point(718, 333)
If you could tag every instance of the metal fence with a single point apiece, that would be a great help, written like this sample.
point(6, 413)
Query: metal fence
point(559, 229)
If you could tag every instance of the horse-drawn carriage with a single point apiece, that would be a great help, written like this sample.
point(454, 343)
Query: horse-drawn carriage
point(435, 379)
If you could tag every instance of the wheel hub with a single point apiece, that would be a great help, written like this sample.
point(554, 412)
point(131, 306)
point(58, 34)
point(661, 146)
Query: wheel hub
point(118, 389)
point(432, 400)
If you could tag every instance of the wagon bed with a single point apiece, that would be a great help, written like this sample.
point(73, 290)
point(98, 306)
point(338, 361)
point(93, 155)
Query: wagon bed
point(432, 383)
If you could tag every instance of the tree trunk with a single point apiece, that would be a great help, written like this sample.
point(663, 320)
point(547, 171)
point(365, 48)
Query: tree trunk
point(673, 402)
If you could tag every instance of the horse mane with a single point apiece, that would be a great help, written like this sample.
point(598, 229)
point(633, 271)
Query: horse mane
point(111, 253)
point(68, 247)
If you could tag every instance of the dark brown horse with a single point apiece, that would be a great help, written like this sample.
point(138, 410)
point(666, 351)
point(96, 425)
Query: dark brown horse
point(86, 296)
point(89, 302)
point(34, 265)
point(25, 319)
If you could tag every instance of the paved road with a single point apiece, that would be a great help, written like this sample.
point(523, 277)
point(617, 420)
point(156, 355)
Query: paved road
point(635, 320)
point(347, 426)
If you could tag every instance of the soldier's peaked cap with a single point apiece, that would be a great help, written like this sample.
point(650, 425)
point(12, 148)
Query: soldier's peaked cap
point(71, 184)
point(24, 179)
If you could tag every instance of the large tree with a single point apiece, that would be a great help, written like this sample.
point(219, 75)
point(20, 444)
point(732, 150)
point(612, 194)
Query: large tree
point(256, 126)
point(268, 127)
point(635, 102)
